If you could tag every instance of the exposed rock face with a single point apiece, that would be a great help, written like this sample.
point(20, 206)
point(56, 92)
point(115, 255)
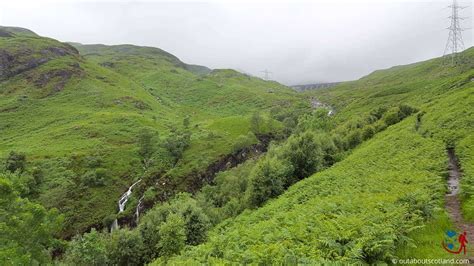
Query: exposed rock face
point(14, 62)
point(59, 77)
point(5, 34)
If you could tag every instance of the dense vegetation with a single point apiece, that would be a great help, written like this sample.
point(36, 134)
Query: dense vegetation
point(79, 116)
point(81, 123)
point(372, 205)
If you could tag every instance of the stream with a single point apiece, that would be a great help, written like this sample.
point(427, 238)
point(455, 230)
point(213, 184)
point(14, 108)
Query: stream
point(315, 103)
point(122, 202)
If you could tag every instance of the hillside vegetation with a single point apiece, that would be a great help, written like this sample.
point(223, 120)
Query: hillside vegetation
point(76, 115)
point(372, 204)
point(228, 168)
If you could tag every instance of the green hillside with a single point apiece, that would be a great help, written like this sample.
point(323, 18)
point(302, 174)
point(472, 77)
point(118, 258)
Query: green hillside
point(229, 168)
point(77, 113)
point(385, 199)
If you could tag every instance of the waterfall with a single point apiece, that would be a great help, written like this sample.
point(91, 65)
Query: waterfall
point(137, 211)
point(121, 204)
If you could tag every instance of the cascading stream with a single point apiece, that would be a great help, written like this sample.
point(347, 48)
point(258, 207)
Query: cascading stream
point(122, 202)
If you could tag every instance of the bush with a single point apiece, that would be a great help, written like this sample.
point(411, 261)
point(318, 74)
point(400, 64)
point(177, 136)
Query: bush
point(146, 146)
point(93, 161)
point(177, 143)
point(125, 247)
point(367, 132)
point(15, 162)
point(305, 154)
point(173, 236)
point(354, 138)
point(27, 229)
point(88, 249)
point(257, 123)
point(268, 179)
point(391, 117)
point(108, 220)
point(244, 141)
point(94, 177)
point(159, 225)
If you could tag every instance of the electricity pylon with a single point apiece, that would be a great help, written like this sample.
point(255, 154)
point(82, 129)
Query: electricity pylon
point(266, 73)
point(455, 44)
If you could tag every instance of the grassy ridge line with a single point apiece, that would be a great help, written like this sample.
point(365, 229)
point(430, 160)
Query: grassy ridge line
point(415, 150)
point(443, 91)
point(415, 84)
point(361, 208)
point(100, 109)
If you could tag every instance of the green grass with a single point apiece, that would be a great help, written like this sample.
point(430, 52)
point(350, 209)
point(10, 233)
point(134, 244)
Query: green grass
point(386, 198)
point(427, 240)
point(99, 111)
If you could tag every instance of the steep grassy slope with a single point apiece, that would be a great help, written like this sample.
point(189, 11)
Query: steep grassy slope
point(78, 114)
point(444, 94)
point(369, 206)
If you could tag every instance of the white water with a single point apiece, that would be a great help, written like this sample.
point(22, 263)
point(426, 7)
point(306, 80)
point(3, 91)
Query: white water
point(121, 204)
point(137, 211)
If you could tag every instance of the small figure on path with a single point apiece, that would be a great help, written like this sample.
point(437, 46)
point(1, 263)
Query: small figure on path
point(463, 241)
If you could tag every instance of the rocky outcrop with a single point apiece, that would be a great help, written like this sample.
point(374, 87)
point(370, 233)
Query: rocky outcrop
point(5, 34)
point(57, 77)
point(25, 58)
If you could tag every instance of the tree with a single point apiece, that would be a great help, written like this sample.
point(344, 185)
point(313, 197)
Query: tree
point(15, 162)
point(196, 222)
point(256, 123)
point(157, 221)
point(268, 180)
point(146, 147)
point(290, 125)
point(173, 235)
point(88, 249)
point(177, 143)
point(305, 154)
point(354, 138)
point(27, 229)
point(125, 247)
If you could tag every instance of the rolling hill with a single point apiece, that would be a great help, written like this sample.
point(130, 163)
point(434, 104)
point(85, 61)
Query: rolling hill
point(228, 168)
point(385, 199)
point(76, 111)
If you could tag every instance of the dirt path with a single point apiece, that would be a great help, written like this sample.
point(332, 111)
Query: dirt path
point(453, 205)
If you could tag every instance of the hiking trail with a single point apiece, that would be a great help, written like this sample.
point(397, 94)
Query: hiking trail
point(453, 205)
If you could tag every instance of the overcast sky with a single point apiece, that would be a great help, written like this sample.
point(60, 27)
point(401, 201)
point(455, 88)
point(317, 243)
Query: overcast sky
point(300, 42)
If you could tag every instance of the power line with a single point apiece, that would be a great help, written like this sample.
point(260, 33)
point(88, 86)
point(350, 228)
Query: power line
point(267, 73)
point(455, 43)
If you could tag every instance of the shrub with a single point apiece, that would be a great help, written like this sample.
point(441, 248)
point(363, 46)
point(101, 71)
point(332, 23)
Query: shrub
point(354, 138)
point(146, 146)
point(268, 179)
point(305, 154)
point(244, 141)
point(15, 162)
point(367, 132)
point(256, 123)
point(173, 236)
point(94, 177)
point(125, 247)
point(88, 249)
point(391, 117)
point(177, 143)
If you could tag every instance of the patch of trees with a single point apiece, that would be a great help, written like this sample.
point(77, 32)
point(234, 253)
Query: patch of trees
point(163, 153)
point(164, 231)
point(27, 229)
point(314, 145)
point(25, 181)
